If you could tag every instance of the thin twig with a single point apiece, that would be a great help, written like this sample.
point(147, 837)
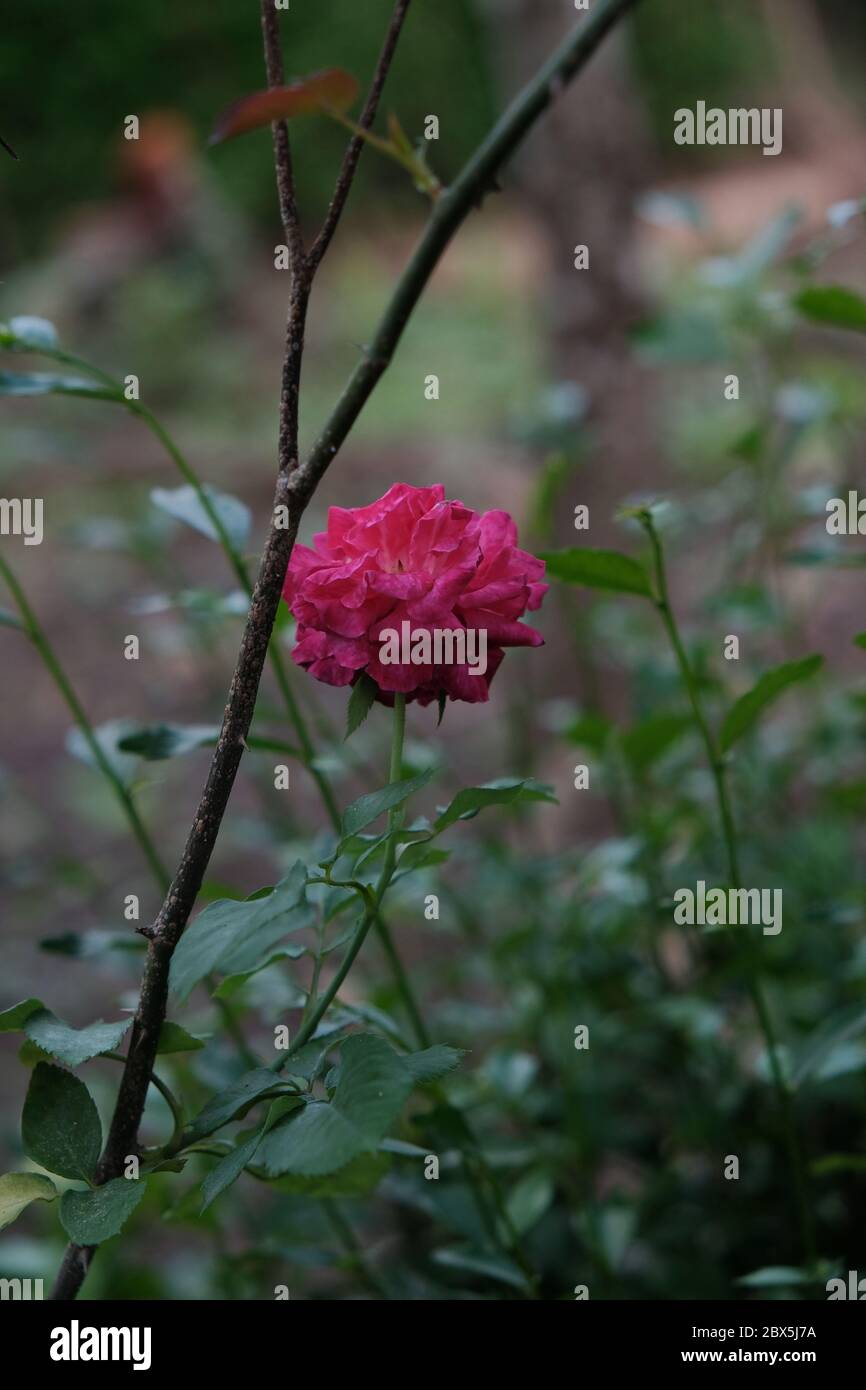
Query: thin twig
point(476, 179)
point(282, 146)
point(355, 148)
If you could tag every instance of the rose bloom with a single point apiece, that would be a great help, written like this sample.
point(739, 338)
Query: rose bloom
point(411, 557)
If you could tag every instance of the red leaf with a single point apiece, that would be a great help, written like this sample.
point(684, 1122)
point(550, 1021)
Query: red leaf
point(334, 88)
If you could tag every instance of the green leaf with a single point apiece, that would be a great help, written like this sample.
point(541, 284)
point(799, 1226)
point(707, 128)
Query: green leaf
point(374, 804)
point(184, 504)
point(432, 1063)
point(529, 1199)
point(60, 1126)
point(18, 1190)
point(224, 1173)
point(13, 1020)
point(73, 1046)
point(505, 790)
point(168, 740)
point(227, 1105)
point(363, 696)
point(357, 1179)
point(811, 1060)
point(91, 1217)
point(51, 383)
point(744, 713)
point(420, 856)
point(174, 1038)
point(833, 305)
point(598, 569)
point(469, 1261)
point(232, 937)
point(26, 333)
point(108, 736)
point(643, 743)
point(230, 984)
point(589, 731)
point(860, 640)
point(373, 1084)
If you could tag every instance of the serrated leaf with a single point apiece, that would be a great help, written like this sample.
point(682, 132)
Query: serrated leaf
point(598, 569)
point(372, 1087)
point(60, 1126)
point(18, 1190)
point(433, 1063)
point(72, 1046)
point(184, 504)
point(502, 792)
point(369, 807)
point(357, 1179)
point(13, 1020)
point(361, 700)
point(232, 937)
point(174, 1038)
point(744, 713)
point(161, 741)
point(334, 88)
point(91, 1217)
point(833, 305)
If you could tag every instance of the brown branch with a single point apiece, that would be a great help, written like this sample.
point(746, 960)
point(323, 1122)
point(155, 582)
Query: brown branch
point(282, 146)
point(295, 487)
point(356, 144)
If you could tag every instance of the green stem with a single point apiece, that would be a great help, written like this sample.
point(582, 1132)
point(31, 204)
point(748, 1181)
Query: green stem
point(729, 834)
point(171, 1100)
point(37, 636)
point(373, 896)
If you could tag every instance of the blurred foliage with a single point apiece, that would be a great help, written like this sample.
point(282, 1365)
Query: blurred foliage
point(610, 1158)
point(194, 59)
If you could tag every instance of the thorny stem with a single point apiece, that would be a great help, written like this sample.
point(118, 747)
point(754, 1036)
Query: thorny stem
point(718, 770)
point(294, 489)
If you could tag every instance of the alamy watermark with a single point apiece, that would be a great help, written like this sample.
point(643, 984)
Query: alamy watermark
point(22, 516)
point(438, 646)
point(729, 907)
point(736, 126)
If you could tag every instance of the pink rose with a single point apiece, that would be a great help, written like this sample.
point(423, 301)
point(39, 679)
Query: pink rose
point(413, 575)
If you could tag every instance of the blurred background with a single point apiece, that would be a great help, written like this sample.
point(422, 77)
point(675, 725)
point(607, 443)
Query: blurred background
point(558, 387)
